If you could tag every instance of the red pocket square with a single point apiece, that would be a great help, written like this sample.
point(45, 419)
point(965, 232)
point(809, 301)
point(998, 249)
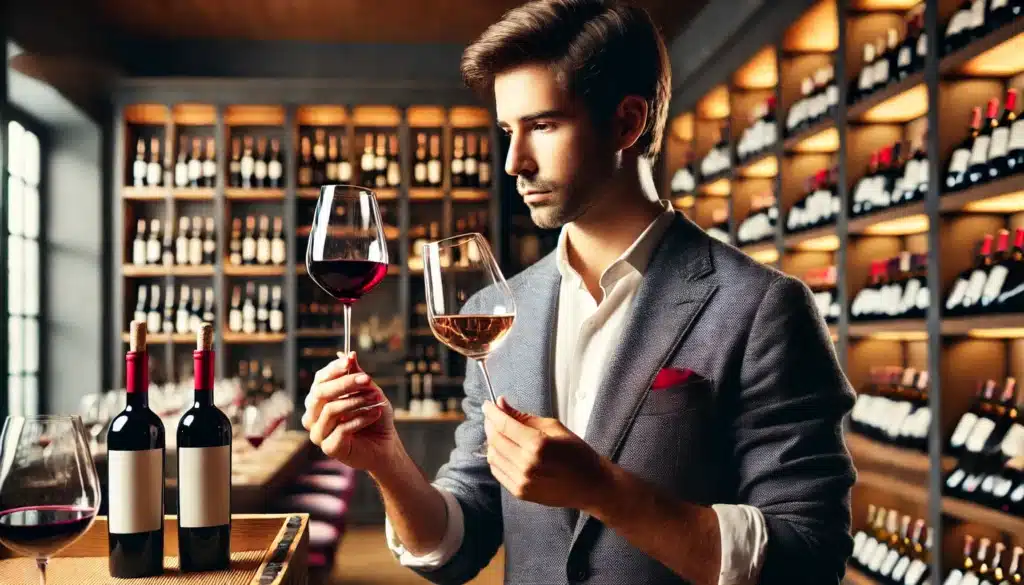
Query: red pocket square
point(669, 377)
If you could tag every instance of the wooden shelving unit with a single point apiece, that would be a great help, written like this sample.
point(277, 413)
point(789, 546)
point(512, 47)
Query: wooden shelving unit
point(930, 107)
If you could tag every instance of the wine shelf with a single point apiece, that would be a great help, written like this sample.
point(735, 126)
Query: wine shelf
point(971, 512)
point(1001, 196)
point(959, 62)
point(196, 194)
point(813, 238)
point(795, 143)
point(143, 193)
point(905, 464)
point(990, 326)
point(879, 221)
point(881, 327)
point(241, 338)
point(239, 194)
point(899, 102)
point(253, 271)
point(473, 195)
point(917, 494)
point(425, 194)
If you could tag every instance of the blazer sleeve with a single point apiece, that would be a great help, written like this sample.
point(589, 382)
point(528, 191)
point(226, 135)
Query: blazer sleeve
point(793, 462)
point(469, 479)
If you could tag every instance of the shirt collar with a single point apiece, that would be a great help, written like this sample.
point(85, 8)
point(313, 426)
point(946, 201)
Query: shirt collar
point(634, 260)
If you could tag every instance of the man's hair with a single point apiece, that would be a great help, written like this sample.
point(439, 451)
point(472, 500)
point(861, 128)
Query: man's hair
point(602, 52)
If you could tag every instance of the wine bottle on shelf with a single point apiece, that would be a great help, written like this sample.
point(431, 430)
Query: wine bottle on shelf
point(990, 463)
point(419, 169)
point(195, 243)
point(235, 166)
point(899, 546)
point(195, 313)
point(889, 538)
point(484, 170)
point(135, 473)
point(181, 165)
point(168, 318)
point(181, 242)
point(967, 570)
point(139, 244)
point(968, 439)
point(168, 248)
point(248, 164)
point(906, 52)
point(153, 249)
point(249, 309)
point(380, 162)
point(139, 167)
point(235, 245)
point(249, 243)
point(911, 552)
point(276, 310)
point(973, 277)
point(263, 309)
point(860, 203)
point(956, 28)
point(344, 165)
point(472, 166)
point(263, 241)
point(1000, 164)
point(259, 169)
point(204, 471)
point(277, 249)
point(210, 164)
point(331, 170)
point(862, 536)
point(155, 315)
point(209, 244)
point(319, 158)
point(434, 166)
point(977, 170)
point(208, 306)
point(181, 321)
point(956, 175)
point(195, 165)
point(885, 66)
point(394, 169)
point(155, 170)
point(235, 312)
point(141, 296)
point(366, 162)
point(984, 568)
point(305, 174)
point(275, 169)
point(979, 276)
point(458, 171)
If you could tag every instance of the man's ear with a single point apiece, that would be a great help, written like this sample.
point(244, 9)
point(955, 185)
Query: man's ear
point(629, 121)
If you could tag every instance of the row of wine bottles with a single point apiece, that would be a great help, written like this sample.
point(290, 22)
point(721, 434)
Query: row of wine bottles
point(257, 379)
point(891, 180)
point(822, 282)
point(988, 440)
point(762, 133)
point(759, 226)
point(893, 407)
point(257, 247)
point(261, 310)
point(162, 315)
point(427, 396)
point(819, 99)
point(996, 281)
point(898, 289)
point(819, 205)
point(981, 569)
point(136, 466)
point(989, 152)
point(976, 18)
point(719, 158)
point(261, 169)
point(888, 550)
point(890, 59)
point(195, 245)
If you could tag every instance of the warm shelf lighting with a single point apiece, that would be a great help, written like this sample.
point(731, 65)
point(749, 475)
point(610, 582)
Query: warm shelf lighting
point(685, 201)
point(682, 127)
point(828, 243)
point(907, 106)
point(885, 4)
point(826, 141)
point(469, 117)
point(195, 114)
point(425, 116)
point(254, 116)
point(766, 255)
point(322, 116)
point(904, 226)
point(816, 31)
point(761, 72)
point(997, 333)
point(720, 188)
point(714, 105)
point(765, 168)
point(1009, 203)
point(146, 114)
point(376, 116)
point(1004, 60)
point(900, 335)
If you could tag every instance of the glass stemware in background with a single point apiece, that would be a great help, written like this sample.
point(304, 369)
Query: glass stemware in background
point(254, 425)
point(49, 489)
point(454, 269)
point(347, 254)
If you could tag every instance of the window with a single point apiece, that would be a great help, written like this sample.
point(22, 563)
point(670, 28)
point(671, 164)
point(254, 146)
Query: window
point(22, 249)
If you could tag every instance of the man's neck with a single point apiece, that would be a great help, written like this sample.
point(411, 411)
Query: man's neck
point(595, 240)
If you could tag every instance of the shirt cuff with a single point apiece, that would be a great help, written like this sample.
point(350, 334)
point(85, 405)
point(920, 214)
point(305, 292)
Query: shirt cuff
point(744, 540)
point(450, 543)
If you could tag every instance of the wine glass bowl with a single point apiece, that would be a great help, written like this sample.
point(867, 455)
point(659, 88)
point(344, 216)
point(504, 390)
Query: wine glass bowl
point(347, 252)
point(49, 489)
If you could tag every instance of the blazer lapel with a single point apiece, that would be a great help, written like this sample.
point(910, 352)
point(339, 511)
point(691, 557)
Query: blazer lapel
point(531, 387)
point(672, 294)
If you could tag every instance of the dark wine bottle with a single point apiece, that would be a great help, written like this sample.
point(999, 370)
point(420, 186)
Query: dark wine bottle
point(135, 468)
point(1000, 163)
point(977, 170)
point(204, 471)
point(956, 174)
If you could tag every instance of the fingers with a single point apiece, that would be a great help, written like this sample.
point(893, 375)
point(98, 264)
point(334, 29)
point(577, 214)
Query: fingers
point(337, 412)
point(518, 458)
point(503, 470)
point(354, 366)
point(343, 387)
point(338, 444)
point(335, 369)
point(519, 433)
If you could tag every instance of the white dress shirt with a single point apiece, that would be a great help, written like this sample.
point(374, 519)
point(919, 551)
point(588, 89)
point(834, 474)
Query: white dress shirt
point(587, 333)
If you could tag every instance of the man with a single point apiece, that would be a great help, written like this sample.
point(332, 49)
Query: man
point(671, 410)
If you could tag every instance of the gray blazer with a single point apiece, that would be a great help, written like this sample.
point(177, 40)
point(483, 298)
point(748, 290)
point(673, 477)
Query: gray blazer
point(759, 423)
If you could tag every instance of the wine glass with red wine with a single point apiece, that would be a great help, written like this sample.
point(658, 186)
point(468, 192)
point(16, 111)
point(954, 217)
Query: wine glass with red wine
point(255, 425)
point(454, 270)
point(49, 489)
point(347, 254)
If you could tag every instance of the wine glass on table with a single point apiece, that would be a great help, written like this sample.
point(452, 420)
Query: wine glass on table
point(254, 425)
point(454, 269)
point(49, 489)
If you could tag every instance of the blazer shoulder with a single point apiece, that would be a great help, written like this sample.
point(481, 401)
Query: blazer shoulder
point(738, 270)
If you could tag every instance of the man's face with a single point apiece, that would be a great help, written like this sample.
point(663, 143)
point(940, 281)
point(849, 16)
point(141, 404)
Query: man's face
point(555, 152)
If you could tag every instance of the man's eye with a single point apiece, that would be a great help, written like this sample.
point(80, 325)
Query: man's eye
point(542, 126)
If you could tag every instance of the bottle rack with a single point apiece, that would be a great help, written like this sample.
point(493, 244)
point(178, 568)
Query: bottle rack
point(295, 352)
point(930, 106)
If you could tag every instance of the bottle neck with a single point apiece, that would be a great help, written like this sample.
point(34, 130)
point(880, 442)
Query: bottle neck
point(138, 400)
point(203, 370)
point(137, 379)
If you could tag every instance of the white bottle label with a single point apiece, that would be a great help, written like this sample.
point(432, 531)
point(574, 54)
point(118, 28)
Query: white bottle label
point(910, 295)
point(204, 486)
point(897, 416)
point(889, 563)
point(471, 166)
point(922, 45)
point(263, 251)
point(923, 423)
point(139, 253)
point(276, 320)
point(277, 254)
point(366, 161)
point(866, 79)
point(195, 252)
point(861, 407)
point(248, 249)
point(858, 543)
point(1002, 488)
point(980, 434)
point(963, 430)
point(247, 166)
point(996, 4)
point(136, 488)
point(954, 577)
point(153, 172)
point(209, 168)
point(922, 172)
point(344, 171)
point(181, 174)
point(994, 284)
point(457, 166)
point(977, 18)
point(905, 57)
point(153, 322)
point(868, 551)
point(979, 151)
point(970, 579)
point(260, 170)
point(881, 70)
point(434, 172)
point(1018, 493)
point(1013, 443)
point(235, 320)
point(420, 172)
point(917, 568)
point(1000, 142)
point(1017, 135)
point(957, 296)
point(139, 172)
point(380, 163)
point(975, 286)
point(901, 569)
point(832, 95)
point(878, 558)
point(274, 170)
point(958, 163)
point(195, 169)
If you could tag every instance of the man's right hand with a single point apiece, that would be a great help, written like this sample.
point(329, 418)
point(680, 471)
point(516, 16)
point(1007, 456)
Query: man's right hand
point(362, 439)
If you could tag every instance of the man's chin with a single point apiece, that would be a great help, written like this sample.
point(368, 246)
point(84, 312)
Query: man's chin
point(547, 217)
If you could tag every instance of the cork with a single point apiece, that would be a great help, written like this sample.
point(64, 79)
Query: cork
point(204, 338)
point(137, 336)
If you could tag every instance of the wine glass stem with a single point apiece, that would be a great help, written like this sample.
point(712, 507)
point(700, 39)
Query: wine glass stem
point(41, 563)
point(487, 380)
point(348, 329)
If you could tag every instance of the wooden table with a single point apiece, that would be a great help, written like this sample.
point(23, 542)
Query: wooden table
point(257, 475)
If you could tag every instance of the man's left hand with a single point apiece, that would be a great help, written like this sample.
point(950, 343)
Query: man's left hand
point(540, 460)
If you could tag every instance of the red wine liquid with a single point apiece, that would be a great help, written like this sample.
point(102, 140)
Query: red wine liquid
point(41, 531)
point(254, 440)
point(347, 280)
